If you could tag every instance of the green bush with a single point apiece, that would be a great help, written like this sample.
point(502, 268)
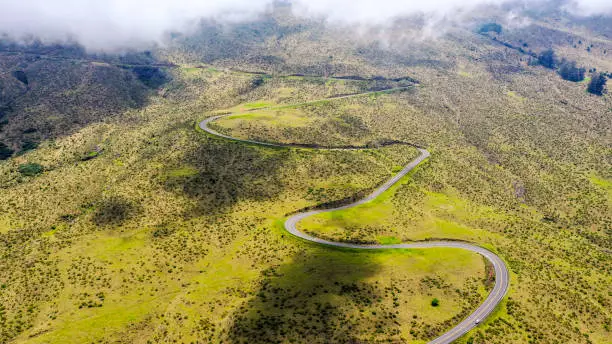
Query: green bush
point(30, 169)
point(435, 302)
point(5, 151)
point(548, 59)
point(28, 145)
point(597, 84)
point(569, 71)
point(152, 77)
point(490, 27)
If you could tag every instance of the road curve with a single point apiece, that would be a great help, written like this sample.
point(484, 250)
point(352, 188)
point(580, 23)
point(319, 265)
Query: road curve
point(501, 271)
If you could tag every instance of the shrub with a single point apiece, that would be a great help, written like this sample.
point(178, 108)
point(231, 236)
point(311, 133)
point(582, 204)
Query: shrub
point(490, 27)
point(257, 81)
point(5, 151)
point(28, 145)
point(30, 169)
point(435, 302)
point(569, 71)
point(91, 155)
point(152, 77)
point(597, 84)
point(548, 59)
point(21, 76)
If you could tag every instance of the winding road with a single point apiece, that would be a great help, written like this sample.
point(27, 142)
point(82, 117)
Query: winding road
point(501, 271)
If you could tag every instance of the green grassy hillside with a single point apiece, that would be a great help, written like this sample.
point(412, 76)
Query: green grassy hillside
point(125, 223)
point(167, 233)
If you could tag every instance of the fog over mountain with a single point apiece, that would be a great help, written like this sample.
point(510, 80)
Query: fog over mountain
point(117, 24)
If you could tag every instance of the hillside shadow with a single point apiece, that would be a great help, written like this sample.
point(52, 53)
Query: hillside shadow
point(223, 173)
point(115, 210)
point(323, 296)
point(53, 91)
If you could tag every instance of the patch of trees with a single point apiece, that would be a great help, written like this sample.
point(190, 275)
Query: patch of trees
point(30, 169)
point(490, 27)
point(569, 71)
point(257, 81)
point(152, 77)
point(3, 122)
point(548, 59)
point(21, 76)
point(520, 49)
point(28, 145)
point(597, 84)
point(5, 151)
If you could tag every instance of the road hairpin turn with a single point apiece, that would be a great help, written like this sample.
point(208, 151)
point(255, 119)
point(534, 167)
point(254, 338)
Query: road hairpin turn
point(501, 271)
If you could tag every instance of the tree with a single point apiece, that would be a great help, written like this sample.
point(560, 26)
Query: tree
point(490, 27)
point(5, 151)
point(548, 59)
point(21, 76)
point(435, 302)
point(569, 71)
point(28, 145)
point(597, 84)
point(152, 77)
point(30, 169)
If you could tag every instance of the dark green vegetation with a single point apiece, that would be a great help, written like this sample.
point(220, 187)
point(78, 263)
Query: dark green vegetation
point(548, 59)
point(597, 84)
point(435, 302)
point(21, 76)
point(30, 169)
point(566, 69)
point(570, 72)
point(170, 235)
point(490, 27)
point(5, 151)
point(524, 40)
point(152, 77)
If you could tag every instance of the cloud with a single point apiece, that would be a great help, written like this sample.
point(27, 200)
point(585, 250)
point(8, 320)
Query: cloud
point(590, 7)
point(117, 24)
point(380, 11)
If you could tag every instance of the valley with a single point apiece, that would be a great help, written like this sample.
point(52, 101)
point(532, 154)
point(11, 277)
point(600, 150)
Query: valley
point(287, 179)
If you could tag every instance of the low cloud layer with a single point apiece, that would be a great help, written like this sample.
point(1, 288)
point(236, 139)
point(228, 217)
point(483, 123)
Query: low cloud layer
point(117, 24)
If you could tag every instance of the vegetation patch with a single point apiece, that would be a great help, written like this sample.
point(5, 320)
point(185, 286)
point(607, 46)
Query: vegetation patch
point(114, 211)
point(389, 240)
point(30, 169)
point(5, 151)
point(153, 77)
point(597, 84)
point(490, 27)
point(21, 76)
point(182, 172)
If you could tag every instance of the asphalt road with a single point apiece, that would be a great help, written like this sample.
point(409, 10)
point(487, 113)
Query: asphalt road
point(501, 271)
